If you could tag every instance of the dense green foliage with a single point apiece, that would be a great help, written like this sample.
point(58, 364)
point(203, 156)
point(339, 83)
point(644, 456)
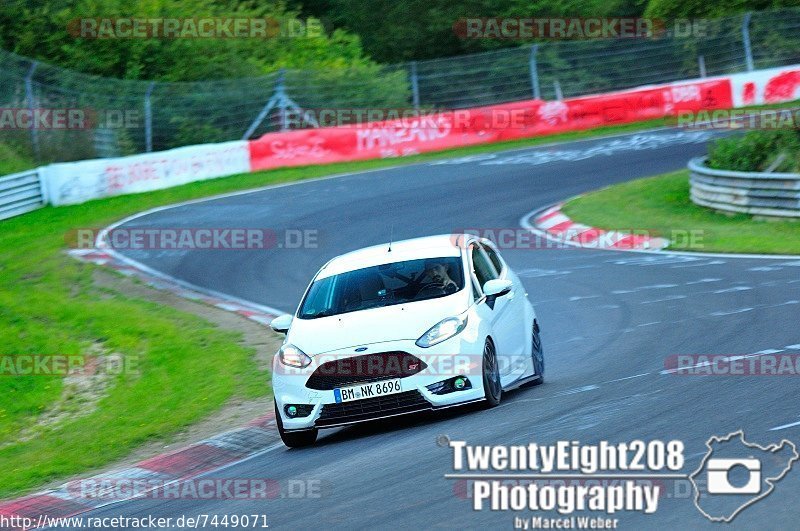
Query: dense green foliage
point(41, 29)
point(390, 30)
point(422, 29)
point(777, 150)
point(703, 8)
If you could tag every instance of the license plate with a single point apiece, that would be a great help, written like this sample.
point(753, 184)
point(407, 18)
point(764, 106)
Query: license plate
point(368, 390)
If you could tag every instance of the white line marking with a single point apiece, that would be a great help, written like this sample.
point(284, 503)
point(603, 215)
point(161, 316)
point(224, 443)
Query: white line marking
point(628, 377)
point(731, 290)
point(740, 310)
point(712, 262)
point(790, 425)
point(665, 299)
point(702, 281)
point(577, 390)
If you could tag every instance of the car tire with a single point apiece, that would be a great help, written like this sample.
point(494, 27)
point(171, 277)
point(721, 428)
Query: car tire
point(294, 439)
point(492, 388)
point(537, 353)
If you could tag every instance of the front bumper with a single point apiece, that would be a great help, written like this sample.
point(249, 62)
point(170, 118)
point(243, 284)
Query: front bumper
point(455, 357)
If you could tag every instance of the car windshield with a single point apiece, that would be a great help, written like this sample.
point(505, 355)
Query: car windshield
point(383, 285)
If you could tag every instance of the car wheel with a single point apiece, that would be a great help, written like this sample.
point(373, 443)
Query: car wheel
point(492, 389)
point(294, 439)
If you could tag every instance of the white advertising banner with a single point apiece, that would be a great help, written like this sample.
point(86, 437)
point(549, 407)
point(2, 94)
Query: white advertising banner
point(775, 85)
point(75, 182)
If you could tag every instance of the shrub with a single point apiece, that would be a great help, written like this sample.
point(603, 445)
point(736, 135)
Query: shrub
point(758, 151)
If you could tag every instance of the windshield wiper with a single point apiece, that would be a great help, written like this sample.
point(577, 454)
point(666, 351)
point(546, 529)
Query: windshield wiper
point(321, 313)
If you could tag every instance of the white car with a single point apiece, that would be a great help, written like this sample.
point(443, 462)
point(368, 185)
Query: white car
point(411, 326)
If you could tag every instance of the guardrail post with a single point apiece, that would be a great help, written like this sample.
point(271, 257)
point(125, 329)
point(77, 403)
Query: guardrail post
point(148, 118)
point(29, 98)
point(280, 92)
point(557, 90)
point(537, 93)
point(748, 51)
point(414, 85)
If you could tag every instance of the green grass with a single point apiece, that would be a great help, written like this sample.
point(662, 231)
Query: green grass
point(661, 204)
point(12, 162)
point(185, 367)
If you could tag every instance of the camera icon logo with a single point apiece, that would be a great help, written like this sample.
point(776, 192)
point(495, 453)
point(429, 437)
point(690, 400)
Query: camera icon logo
point(735, 474)
point(719, 480)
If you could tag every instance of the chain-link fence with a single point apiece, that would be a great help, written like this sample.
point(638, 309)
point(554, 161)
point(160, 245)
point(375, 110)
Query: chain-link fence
point(138, 116)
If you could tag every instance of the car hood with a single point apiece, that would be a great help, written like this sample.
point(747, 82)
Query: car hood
point(389, 323)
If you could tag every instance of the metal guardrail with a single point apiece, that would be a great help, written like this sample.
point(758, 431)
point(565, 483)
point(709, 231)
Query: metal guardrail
point(21, 193)
point(755, 193)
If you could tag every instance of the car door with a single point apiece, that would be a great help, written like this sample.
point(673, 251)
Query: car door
point(516, 302)
point(496, 312)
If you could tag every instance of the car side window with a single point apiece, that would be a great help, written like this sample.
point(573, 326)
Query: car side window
point(481, 266)
point(495, 259)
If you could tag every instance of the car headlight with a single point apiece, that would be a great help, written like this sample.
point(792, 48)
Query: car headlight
point(293, 357)
point(443, 330)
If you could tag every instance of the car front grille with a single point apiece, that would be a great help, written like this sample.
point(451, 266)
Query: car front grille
point(364, 369)
point(372, 408)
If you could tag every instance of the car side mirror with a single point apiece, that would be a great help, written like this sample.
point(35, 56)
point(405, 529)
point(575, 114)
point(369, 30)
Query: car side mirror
point(496, 288)
point(281, 323)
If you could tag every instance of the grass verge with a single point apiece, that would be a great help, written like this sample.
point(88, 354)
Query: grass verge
point(661, 204)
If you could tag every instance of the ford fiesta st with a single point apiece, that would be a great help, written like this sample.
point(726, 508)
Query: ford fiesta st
point(416, 325)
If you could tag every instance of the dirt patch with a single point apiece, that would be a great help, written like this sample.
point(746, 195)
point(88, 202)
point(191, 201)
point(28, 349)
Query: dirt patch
point(82, 389)
point(256, 336)
point(234, 414)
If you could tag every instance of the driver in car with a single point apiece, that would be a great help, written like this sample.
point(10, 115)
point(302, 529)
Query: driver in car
point(436, 276)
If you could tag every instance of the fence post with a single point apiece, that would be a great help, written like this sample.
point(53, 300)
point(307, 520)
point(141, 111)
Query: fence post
point(148, 118)
point(414, 85)
point(557, 90)
point(29, 97)
point(537, 94)
point(701, 62)
point(280, 92)
point(748, 51)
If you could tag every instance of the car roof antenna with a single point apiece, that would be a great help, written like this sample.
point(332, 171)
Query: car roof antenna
point(391, 235)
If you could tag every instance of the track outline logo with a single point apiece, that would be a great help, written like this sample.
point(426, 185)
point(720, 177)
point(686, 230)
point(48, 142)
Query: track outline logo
point(771, 481)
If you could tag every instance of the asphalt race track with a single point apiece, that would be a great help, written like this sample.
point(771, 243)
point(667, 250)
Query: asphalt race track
point(609, 320)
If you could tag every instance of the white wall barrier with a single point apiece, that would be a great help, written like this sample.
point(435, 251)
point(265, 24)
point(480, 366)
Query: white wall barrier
point(773, 85)
point(75, 182)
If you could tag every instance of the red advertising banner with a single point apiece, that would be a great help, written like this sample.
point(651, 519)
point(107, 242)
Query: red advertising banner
point(436, 131)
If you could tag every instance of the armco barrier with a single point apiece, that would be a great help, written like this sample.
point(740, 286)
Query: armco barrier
point(21, 193)
point(756, 193)
point(76, 182)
